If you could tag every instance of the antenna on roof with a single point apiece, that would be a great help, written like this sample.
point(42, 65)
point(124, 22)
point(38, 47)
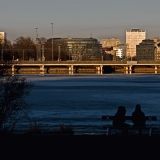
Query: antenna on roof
point(91, 35)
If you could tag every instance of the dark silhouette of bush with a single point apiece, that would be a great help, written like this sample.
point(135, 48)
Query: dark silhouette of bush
point(34, 129)
point(66, 130)
point(13, 106)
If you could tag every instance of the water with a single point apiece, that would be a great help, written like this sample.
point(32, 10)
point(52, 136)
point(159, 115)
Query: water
point(81, 100)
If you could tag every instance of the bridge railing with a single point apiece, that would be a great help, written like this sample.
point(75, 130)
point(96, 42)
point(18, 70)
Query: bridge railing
point(83, 62)
point(69, 62)
point(148, 62)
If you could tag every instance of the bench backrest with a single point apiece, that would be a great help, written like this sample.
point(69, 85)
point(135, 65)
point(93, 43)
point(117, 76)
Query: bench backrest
point(149, 118)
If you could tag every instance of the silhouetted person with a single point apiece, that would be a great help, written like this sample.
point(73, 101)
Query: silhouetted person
point(119, 120)
point(138, 119)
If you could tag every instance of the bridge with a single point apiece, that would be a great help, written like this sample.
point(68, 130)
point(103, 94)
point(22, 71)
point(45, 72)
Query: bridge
point(127, 65)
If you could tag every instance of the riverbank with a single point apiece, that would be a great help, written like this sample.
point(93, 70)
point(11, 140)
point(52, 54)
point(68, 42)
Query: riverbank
point(100, 141)
point(81, 146)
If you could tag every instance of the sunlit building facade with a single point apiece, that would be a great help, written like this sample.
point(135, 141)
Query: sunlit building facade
point(110, 42)
point(133, 38)
point(2, 37)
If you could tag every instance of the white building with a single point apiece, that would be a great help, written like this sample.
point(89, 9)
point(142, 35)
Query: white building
point(133, 38)
point(119, 53)
point(2, 37)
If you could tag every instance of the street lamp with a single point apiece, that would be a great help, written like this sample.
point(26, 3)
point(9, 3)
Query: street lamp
point(52, 41)
point(59, 53)
point(102, 58)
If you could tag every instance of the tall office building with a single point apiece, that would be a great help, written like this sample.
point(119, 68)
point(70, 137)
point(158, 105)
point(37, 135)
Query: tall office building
point(133, 38)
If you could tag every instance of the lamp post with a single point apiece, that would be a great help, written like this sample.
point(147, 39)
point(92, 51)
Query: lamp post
point(52, 41)
point(36, 44)
point(102, 58)
point(36, 33)
point(59, 53)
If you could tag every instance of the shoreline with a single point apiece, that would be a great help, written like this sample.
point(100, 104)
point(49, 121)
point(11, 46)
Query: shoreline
point(76, 146)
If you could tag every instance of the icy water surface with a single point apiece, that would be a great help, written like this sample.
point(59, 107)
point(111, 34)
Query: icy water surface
point(81, 100)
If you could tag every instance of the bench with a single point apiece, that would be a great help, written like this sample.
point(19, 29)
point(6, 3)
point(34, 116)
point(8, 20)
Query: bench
point(129, 118)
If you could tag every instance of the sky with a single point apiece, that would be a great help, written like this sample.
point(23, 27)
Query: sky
point(100, 19)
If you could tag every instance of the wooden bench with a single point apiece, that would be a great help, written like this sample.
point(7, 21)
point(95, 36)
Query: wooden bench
point(129, 118)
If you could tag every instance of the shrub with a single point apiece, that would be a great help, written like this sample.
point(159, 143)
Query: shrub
point(66, 130)
point(34, 129)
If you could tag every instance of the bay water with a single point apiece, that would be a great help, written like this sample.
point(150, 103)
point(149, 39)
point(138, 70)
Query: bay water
point(80, 100)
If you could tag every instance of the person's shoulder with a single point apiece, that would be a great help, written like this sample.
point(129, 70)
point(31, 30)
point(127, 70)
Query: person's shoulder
point(142, 112)
point(133, 113)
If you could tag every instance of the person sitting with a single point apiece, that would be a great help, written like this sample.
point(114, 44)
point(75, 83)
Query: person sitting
point(138, 119)
point(119, 120)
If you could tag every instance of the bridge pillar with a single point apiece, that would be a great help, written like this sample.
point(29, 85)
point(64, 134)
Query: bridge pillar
point(42, 69)
point(130, 69)
point(126, 69)
point(71, 69)
point(12, 69)
point(155, 69)
point(101, 69)
point(98, 69)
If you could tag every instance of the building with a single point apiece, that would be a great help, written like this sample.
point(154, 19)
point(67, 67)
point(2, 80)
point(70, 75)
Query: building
point(119, 54)
point(110, 42)
point(76, 49)
point(109, 46)
point(113, 46)
point(146, 50)
point(133, 38)
point(157, 55)
point(2, 37)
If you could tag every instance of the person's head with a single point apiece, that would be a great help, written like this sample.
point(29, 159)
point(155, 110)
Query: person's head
point(138, 107)
point(121, 109)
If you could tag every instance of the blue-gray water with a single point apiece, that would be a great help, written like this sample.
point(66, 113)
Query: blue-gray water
point(81, 100)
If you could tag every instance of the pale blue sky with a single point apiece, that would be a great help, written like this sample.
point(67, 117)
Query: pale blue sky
point(79, 18)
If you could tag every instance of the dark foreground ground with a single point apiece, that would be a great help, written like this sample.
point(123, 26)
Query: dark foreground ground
point(80, 147)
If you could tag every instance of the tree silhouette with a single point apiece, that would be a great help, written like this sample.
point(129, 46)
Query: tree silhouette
point(24, 48)
point(13, 107)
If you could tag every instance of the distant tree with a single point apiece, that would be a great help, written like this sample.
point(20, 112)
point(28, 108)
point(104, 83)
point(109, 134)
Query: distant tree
point(24, 48)
point(13, 107)
point(5, 50)
point(43, 39)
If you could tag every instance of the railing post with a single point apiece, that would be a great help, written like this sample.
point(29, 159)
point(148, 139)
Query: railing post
point(150, 126)
point(107, 133)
